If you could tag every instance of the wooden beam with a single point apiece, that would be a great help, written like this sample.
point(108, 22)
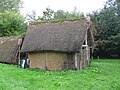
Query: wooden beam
point(76, 62)
point(46, 61)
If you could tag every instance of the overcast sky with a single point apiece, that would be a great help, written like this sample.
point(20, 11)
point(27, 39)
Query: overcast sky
point(39, 6)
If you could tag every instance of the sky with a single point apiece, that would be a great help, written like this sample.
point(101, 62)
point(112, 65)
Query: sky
point(85, 6)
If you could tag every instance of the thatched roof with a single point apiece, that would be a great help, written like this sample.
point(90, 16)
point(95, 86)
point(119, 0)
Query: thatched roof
point(67, 36)
point(8, 49)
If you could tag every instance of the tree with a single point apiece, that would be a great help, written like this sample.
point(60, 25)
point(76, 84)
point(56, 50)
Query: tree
point(48, 14)
point(107, 23)
point(60, 14)
point(10, 5)
point(31, 17)
point(11, 24)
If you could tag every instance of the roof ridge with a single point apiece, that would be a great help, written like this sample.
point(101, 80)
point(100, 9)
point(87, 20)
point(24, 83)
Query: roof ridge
point(55, 21)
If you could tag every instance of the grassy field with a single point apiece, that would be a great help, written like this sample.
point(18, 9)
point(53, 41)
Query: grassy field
point(101, 75)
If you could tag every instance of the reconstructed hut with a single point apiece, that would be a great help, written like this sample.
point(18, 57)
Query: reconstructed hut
point(59, 45)
point(9, 49)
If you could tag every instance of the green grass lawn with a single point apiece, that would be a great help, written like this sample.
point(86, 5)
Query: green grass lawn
point(101, 75)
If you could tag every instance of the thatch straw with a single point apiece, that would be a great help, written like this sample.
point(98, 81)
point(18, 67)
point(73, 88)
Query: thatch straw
point(8, 49)
point(67, 36)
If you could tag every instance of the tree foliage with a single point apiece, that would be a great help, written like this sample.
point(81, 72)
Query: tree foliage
point(10, 5)
point(31, 16)
point(60, 14)
point(11, 24)
point(50, 14)
point(107, 23)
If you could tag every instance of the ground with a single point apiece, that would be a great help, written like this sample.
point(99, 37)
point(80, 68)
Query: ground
point(101, 75)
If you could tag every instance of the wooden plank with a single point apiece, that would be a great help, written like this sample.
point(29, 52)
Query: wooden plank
point(76, 62)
